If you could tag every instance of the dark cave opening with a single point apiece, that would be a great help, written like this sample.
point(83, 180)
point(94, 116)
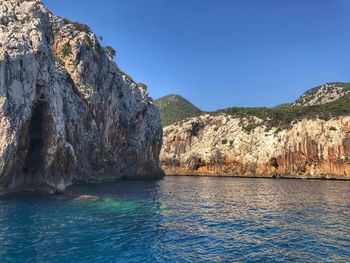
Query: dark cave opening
point(33, 160)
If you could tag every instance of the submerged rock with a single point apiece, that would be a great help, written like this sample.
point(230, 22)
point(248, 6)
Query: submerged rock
point(88, 198)
point(67, 113)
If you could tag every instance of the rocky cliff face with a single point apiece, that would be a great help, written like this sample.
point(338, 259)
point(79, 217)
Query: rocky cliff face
point(67, 113)
point(222, 145)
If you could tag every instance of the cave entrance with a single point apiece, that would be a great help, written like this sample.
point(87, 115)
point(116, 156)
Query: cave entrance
point(33, 161)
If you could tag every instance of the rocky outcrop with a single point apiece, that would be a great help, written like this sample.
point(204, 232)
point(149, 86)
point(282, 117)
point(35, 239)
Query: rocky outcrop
point(324, 94)
point(223, 145)
point(67, 113)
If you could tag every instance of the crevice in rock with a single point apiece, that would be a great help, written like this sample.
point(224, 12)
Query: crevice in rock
point(27, 168)
point(34, 159)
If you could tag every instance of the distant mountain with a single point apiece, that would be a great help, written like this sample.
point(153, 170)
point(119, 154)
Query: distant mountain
point(324, 94)
point(283, 105)
point(174, 108)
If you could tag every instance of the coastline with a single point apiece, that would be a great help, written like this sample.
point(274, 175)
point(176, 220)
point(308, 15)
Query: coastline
point(288, 177)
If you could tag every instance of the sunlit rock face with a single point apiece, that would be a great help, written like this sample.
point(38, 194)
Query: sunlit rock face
point(67, 113)
point(220, 145)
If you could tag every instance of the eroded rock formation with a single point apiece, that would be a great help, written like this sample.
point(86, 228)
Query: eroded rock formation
point(67, 113)
point(221, 145)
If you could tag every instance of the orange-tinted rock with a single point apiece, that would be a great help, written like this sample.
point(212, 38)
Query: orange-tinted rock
point(221, 147)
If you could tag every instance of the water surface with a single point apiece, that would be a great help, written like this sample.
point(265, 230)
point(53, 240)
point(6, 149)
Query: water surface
point(182, 219)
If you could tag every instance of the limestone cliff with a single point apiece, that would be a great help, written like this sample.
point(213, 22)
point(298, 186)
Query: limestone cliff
point(291, 141)
point(67, 113)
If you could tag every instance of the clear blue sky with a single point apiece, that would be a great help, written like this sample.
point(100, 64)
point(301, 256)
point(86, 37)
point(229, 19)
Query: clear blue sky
point(223, 53)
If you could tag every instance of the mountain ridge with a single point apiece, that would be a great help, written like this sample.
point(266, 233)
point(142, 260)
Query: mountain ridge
point(328, 104)
point(330, 99)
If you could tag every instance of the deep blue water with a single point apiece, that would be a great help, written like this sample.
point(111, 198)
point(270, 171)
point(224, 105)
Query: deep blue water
point(181, 219)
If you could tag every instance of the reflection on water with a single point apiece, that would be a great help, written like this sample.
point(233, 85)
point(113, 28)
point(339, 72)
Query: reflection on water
point(181, 219)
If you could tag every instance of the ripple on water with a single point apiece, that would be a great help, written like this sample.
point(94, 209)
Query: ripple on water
point(182, 219)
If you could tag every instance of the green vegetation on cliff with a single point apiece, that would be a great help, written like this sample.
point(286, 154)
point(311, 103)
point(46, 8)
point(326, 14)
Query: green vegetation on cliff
point(283, 116)
point(78, 26)
point(323, 94)
point(174, 108)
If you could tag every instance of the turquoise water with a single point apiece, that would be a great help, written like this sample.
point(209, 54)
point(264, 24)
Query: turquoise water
point(181, 219)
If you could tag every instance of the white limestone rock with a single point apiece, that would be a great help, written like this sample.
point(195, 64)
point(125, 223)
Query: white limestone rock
point(67, 113)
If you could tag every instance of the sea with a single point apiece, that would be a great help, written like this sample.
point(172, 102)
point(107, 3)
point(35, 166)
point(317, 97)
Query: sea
point(180, 219)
